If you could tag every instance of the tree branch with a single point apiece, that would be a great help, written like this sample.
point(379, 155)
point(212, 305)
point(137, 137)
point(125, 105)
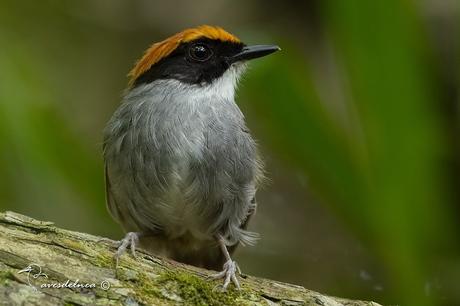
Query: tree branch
point(71, 260)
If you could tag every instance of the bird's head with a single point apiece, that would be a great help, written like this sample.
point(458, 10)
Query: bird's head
point(196, 56)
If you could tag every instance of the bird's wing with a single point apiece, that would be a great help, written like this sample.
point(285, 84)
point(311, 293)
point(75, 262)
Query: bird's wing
point(109, 198)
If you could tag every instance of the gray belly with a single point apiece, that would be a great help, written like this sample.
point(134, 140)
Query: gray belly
point(181, 171)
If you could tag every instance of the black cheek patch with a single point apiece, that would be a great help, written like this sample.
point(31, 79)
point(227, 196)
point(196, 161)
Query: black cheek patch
point(179, 66)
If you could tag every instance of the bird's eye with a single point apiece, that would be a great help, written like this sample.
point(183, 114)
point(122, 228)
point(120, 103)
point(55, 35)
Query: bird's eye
point(200, 52)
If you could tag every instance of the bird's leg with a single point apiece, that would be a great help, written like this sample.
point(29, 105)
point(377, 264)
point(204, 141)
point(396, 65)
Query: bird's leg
point(131, 240)
point(230, 267)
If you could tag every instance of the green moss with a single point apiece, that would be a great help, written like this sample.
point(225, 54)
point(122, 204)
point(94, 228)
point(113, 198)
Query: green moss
point(196, 291)
point(73, 245)
point(147, 289)
point(5, 276)
point(182, 288)
point(104, 261)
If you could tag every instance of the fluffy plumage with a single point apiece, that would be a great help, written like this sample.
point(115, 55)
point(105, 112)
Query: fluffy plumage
point(181, 168)
point(180, 163)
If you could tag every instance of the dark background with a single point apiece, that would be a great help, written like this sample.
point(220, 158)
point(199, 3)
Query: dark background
point(357, 117)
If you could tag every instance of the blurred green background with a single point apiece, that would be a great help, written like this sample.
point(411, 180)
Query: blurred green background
point(358, 120)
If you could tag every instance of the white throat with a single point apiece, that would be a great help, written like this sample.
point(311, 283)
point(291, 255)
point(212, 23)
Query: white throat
point(222, 88)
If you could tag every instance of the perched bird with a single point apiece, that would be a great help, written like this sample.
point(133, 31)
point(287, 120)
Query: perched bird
point(181, 167)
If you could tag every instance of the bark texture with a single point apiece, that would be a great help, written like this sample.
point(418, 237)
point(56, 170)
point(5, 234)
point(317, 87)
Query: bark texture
point(78, 269)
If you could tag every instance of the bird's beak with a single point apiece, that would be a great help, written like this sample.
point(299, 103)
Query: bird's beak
point(251, 52)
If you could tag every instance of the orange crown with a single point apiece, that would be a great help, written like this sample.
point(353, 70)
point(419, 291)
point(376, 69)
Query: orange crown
point(163, 48)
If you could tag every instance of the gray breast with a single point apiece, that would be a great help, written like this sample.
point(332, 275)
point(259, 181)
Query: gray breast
point(181, 161)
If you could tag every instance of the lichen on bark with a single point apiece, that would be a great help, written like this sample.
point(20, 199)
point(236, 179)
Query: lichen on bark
point(68, 257)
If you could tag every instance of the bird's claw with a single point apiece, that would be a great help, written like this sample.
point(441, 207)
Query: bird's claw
point(131, 240)
point(229, 273)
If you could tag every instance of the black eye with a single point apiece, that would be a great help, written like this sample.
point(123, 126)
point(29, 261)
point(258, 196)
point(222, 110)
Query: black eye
point(200, 52)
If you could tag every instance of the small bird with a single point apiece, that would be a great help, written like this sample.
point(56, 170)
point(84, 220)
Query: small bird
point(181, 167)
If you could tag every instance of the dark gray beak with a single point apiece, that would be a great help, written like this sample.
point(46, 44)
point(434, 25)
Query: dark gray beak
point(251, 52)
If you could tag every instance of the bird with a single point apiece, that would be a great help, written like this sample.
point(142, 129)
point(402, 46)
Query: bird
point(181, 167)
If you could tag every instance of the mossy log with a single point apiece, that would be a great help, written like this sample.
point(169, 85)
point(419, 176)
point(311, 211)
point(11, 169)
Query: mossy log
point(78, 269)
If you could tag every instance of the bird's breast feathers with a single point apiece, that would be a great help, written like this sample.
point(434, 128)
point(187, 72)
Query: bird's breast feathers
point(181, 158)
